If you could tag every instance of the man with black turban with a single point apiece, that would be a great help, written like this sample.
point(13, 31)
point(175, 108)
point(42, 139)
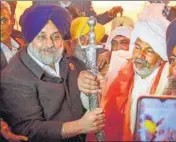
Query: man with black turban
point(39, 97)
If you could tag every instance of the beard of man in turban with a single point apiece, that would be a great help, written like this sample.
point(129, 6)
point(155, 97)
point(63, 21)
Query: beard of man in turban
point(47, 46)
point(145, 59)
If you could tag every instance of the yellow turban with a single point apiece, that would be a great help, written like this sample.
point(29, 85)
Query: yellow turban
point(78, 24)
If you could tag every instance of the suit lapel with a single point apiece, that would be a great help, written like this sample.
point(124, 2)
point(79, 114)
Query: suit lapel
point(4, 62)
point(64, 69)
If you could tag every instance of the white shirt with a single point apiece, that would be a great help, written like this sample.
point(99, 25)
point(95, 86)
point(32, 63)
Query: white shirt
point(46, 68)
point(141, 87)
point(10, 53)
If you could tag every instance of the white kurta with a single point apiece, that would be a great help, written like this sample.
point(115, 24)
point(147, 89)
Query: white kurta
point(142, 87)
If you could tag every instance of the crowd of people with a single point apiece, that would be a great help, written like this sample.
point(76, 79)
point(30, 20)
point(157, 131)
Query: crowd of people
point(44, 82)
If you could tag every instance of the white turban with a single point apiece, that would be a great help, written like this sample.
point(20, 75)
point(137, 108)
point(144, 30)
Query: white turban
point(5, 4)
point(152, 31)
point(121, 31)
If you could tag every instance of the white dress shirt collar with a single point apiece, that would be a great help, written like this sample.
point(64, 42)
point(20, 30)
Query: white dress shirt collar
point(10, 53)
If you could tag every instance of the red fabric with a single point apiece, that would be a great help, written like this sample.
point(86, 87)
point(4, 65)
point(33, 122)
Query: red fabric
point(117, 104)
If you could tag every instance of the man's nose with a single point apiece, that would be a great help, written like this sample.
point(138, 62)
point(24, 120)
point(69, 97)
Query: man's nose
point(49, 42)
point(115, 47)
point(141, 54)
point(119, 47)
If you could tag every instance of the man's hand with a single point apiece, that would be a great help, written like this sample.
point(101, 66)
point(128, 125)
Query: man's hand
point(8, 135)
point(90, 84)
point(103, 58)
point(115, 10)
point(92, 121)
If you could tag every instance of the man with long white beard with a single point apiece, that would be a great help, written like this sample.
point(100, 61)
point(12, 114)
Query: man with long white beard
point(145, 74)
point(39, 97)
point(118, 44)
point(79, 31)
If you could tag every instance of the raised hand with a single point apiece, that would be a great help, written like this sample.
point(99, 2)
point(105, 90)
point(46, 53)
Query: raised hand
point(115, 10)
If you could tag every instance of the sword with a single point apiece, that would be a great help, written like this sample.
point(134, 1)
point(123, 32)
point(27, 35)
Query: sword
point(91, 67)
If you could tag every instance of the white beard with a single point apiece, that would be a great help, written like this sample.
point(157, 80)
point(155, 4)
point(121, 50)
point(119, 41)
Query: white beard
point(145, 71)
point(47, 56)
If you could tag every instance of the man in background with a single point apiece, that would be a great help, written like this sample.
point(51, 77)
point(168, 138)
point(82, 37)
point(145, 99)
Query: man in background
point(9, 48)
point(171, 52)
point(118, 44)
point(79, 31)
point(86, 9)
point(9, 44)
point(15, 32)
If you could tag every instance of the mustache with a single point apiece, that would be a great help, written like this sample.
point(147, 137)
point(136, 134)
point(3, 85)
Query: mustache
point(141, 61)
point(49, 49)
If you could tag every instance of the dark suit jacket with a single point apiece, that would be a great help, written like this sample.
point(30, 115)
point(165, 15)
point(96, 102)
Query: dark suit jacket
point(85, 7)
point(4, 62)
point(35, 104)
